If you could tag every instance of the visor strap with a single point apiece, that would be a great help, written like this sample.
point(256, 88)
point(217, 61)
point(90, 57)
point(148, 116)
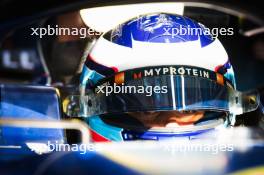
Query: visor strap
point(180, 70)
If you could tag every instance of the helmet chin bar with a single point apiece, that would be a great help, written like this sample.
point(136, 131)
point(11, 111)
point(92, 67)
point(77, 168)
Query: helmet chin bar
point(91, 104)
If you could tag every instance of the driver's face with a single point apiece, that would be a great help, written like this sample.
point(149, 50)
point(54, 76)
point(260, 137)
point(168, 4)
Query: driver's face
point(167, 119)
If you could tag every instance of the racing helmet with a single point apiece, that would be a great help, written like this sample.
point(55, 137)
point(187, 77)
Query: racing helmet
point(154, 63)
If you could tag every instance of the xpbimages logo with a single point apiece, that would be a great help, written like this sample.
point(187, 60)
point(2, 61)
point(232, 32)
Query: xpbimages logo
point(56, 30)
point(197, 31)
point(107, 89)
point(82, 148)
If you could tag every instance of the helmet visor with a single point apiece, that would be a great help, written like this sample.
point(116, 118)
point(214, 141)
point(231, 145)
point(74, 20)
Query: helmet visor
point(165, 93)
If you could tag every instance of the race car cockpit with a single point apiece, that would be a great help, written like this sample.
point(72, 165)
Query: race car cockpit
point(65, 72)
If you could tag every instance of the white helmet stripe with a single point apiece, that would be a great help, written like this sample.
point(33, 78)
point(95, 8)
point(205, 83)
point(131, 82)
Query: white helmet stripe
point(144, 54)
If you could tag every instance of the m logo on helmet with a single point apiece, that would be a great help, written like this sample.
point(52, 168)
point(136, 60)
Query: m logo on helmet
point(137, 75)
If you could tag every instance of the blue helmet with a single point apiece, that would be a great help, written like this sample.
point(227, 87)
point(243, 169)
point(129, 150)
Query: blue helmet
point(156, 65)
